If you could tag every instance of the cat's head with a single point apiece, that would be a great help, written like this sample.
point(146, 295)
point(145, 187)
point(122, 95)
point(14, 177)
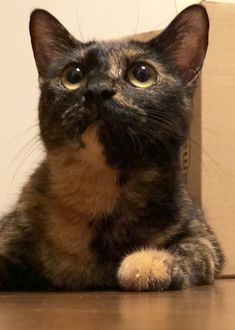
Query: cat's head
point(139, 94)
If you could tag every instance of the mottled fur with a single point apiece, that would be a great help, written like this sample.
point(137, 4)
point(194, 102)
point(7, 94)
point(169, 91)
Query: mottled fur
point(107, 208)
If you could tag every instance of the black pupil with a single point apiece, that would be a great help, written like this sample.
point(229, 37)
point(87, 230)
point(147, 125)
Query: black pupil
point(142, 73)
point(74, 75)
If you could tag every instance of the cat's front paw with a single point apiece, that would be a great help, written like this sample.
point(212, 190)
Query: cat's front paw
point(146, 270)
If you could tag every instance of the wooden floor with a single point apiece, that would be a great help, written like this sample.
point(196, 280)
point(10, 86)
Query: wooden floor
point(202, 308)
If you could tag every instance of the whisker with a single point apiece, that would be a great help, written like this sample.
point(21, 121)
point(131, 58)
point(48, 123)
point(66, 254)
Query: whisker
point(164, 126)
point(199, 146)
point(130, 132)
point(139, 143)
point(159, 118)
point(23, 132)
point(33, 140)
point(26, 157)
point(198, 155)
point(79, 27)
point(137, 18)
point(152, 136)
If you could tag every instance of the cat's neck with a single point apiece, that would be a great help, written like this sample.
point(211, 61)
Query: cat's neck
point(85, 185)
point(81, 178)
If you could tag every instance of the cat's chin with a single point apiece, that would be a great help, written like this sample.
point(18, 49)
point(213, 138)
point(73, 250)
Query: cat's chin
point(94, 125)
point(97, 123)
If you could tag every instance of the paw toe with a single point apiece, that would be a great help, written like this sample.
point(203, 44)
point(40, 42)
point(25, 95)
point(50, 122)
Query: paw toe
point(145, 270)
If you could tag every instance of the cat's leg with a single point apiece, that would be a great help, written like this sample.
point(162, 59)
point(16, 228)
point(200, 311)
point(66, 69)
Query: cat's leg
point(192, 261)
point(3, 272)
point(15, 252)
point(10, 237)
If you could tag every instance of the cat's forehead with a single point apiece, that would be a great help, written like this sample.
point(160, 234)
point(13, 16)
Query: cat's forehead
point(110, 52)
point(115, 47)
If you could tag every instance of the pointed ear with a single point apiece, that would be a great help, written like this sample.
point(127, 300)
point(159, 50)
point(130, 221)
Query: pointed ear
point(49, 39)
point(184, 42)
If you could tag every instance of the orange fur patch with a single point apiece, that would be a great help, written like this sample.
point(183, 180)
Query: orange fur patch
point(82, 178)
point(145, 270)
point(83, 187)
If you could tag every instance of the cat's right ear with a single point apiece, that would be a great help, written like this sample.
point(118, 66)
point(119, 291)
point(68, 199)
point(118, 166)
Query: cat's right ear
point(49, 39)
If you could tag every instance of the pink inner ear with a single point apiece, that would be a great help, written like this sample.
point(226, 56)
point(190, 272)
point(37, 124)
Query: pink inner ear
point(189, 59)
point(184, 42)
point(194, 42)
point(187, 55)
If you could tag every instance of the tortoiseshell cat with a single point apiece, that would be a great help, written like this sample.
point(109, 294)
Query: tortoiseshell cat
point(107, 208)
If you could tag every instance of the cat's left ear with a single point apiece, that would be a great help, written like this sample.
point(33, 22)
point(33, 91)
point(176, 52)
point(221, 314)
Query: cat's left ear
point(184, 43)
point(49, 38)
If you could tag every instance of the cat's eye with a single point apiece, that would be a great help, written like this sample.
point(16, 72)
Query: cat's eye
point(142, 75)
point(73, 77)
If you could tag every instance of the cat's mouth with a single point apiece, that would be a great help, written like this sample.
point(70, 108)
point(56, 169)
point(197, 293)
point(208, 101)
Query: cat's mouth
point(97, 122)
point(99, 114)
point(97, 117)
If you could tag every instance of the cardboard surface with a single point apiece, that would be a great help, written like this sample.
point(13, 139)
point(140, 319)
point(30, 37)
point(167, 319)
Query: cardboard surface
point(212, 166)
point(220, 1)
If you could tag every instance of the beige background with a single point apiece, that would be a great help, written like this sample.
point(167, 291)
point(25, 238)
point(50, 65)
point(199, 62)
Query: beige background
point(19, 149)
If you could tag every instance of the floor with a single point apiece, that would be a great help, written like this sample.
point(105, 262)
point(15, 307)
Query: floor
point(201, 308)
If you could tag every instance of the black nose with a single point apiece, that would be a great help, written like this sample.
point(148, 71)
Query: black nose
point(99, 90)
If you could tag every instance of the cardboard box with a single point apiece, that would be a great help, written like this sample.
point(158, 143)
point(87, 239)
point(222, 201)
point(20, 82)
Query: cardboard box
point(210, 155)
point(211, 174)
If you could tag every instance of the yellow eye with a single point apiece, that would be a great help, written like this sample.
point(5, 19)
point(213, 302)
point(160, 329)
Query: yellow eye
point(73, 77)
point(142, 75)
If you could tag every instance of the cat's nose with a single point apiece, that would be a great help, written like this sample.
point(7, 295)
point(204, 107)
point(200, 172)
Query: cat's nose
point(99, 91)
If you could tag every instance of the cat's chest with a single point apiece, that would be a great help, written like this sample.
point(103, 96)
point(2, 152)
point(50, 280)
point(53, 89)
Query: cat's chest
point(83, 189)
point(83, 180)
point(86, 194)
point(82, 254)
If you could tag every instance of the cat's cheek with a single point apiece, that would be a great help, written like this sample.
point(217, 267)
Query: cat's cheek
point(144, 270)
